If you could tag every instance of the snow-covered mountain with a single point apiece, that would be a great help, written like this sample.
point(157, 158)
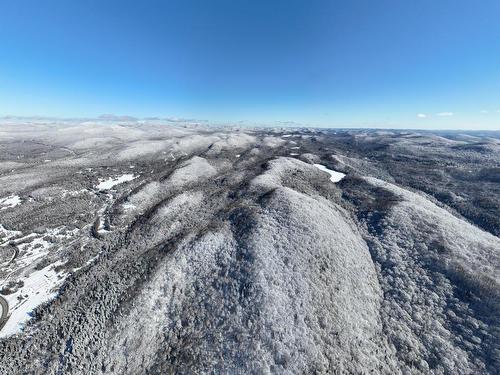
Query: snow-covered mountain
point(150, 249)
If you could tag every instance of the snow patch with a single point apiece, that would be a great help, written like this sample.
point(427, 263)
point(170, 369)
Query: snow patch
point(334, 175)
point(111, 182)
point(73, 193)
point(9, 202)
point(6, 235)
point(102, 228)
point(32, 251)
point(39, 287)
point(34, 245)
point(128, 206)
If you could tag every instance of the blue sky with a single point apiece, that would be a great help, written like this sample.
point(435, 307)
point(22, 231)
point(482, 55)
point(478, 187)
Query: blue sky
point(427, 64)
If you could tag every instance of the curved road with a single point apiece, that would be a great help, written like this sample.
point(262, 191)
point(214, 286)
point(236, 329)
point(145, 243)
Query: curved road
point(14, 256)
point(4, 311)
point(15, 253)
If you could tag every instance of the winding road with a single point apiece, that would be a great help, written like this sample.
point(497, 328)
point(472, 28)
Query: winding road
point(14, 255)
point(4, 306)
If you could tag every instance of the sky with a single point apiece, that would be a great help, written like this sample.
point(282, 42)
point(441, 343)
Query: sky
point(387, 63)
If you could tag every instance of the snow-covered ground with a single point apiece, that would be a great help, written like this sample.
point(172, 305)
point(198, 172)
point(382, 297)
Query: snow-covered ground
point(254, 265)
point(32, 251)
point(73, 193)
point(101, 228)
point(334, 175)
point(9, 202)
point(39, 287)
point(6, 235)
point(129, 206)
point(111, 182)
point(34, 245)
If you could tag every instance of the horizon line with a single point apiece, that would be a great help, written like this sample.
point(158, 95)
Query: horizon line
point(227, 123)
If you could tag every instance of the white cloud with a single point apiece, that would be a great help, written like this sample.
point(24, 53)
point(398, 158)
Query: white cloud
point(444, 114)
point(421, 115)
point(484, 111)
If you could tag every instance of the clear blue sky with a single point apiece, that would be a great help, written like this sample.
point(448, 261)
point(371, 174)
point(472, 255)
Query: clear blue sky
point(395, 63)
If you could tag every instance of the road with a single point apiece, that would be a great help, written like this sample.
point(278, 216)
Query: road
point(16, 253)
point(4, 311)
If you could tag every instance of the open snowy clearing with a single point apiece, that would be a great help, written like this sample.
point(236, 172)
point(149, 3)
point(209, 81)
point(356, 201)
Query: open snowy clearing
point(6, 235)
point(36, 284)
point(39, 287)
point(113, 181)
point(9, 202)
point(334, 175)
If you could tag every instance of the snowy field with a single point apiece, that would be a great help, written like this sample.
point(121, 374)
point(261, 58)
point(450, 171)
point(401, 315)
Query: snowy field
point(111, 182)
point(9, 202)
point(38, 287)
point(334, 175)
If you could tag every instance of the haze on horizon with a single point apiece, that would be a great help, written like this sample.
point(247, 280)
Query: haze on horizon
point(386, 64)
